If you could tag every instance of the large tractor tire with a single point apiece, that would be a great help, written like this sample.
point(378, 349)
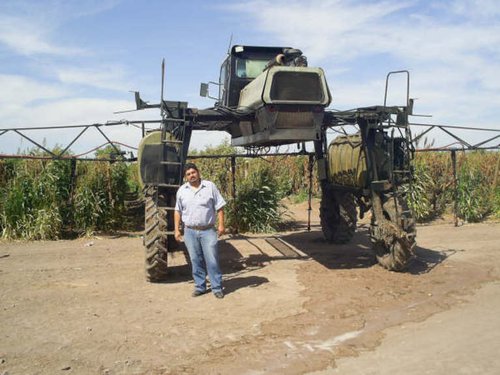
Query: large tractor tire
point(338, 216)
point(157, 241)
point(395, 253)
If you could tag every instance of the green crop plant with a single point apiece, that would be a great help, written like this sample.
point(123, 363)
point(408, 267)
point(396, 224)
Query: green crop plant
point(417, 194)
point(473, 196)
point(41, 200)
point(431, 189)
point(29, 208)
point(496, 203)
point(217, 170)
point(98, 202)
point(257, 206)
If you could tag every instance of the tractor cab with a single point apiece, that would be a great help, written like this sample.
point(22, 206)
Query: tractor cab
point(274, 97)
point(242, 65)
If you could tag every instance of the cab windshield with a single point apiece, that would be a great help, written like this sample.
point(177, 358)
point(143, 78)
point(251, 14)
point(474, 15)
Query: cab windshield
point(248, 68)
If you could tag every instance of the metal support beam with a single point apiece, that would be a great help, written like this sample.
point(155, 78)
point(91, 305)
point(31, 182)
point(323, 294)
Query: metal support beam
point(309, 207)
point(416, 139)
point(457, 138)
point(455, 186)
point(487, 141)
point(109, 141)
point(35, 143)
point(73, 141)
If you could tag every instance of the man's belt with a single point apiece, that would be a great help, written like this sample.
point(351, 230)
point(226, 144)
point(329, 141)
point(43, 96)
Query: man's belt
point(200, 227)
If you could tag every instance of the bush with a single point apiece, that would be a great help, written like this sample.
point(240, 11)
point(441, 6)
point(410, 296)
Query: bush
point(257, 206)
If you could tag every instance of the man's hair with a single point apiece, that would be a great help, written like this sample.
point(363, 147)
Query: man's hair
point(190, 166)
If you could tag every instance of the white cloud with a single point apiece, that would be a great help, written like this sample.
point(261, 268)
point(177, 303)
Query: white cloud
point(323, 29)
point(451, 48)
point(478, 9)
point(81, 8)
point(17, 90)
point(31, 27)
point(28, 36)
point(106, 77)
point(75, 111)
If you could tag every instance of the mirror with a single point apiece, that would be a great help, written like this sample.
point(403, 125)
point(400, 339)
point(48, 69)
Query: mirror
point(204, 90)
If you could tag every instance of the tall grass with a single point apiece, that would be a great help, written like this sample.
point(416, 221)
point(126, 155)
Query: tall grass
point(433, 190)
point(261, 183)
point(496, 203)
point(257, 206)
point(477, 186)
point(39, 202)
point(99, 197)
point(431, 195)
point(29, 207)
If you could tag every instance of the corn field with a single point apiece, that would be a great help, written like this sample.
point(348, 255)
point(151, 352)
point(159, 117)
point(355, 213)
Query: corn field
point(260, 183)
point(477, 193)
point(51, 199)
point(46, 200)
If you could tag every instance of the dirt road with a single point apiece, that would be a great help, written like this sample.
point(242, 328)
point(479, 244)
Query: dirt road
point(83, 307)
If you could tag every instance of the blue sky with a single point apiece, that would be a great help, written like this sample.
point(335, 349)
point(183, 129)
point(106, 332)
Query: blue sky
point(73, 62)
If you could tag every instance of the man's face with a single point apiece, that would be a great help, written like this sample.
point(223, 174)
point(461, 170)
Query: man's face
point(192, 175)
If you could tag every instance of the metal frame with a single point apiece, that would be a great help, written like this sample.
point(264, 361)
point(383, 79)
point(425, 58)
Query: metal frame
point(85, 127)
point(335, 120)
point(463, 144)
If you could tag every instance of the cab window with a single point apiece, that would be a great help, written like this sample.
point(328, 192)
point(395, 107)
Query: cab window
point(223, 77)
point(246, 68)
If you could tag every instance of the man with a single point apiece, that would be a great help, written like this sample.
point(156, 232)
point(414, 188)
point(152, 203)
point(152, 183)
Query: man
point(199, 203)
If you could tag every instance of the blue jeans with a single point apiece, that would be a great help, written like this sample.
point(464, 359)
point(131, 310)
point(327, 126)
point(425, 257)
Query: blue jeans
point(202, 248)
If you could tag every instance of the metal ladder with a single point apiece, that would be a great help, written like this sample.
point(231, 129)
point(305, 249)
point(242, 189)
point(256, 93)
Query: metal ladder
point(177, 128)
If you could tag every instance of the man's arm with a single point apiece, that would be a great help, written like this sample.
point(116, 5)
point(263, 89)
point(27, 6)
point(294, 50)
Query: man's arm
point(177, 226)
point(220, 219)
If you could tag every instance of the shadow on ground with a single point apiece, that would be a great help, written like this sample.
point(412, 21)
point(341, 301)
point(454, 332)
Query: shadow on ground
point(234, 283)
point(310, 245)
point(358, 252)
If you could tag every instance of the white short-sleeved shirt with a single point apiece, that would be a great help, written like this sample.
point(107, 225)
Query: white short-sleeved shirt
point(199, 207)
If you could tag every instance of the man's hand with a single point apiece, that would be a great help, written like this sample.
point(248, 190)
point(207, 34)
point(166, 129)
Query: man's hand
point(220, 220)
point(177, 226)
point(178, 235)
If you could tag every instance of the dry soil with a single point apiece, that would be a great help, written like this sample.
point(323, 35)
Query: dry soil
point(84, 307)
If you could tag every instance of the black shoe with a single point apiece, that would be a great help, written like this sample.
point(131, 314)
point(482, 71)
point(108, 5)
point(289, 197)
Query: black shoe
point(198, 293)
point(219, 295)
